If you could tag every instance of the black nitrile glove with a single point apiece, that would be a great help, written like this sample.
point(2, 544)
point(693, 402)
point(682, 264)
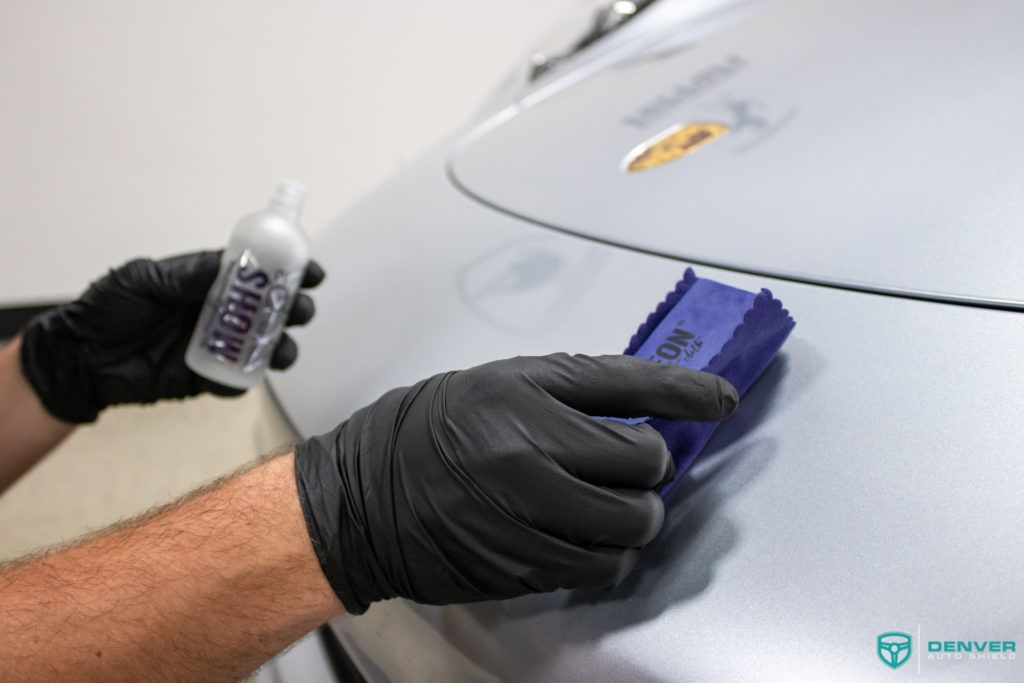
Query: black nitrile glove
point(124, 340)
point(495, 482)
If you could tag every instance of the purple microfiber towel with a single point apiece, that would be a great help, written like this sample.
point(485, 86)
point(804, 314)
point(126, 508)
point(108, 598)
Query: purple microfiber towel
point(705, 325)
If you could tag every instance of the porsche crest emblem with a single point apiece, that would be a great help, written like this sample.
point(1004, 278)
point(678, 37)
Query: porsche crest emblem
point(669, 145)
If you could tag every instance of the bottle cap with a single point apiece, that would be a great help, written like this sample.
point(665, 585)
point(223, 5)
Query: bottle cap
point(289, 195)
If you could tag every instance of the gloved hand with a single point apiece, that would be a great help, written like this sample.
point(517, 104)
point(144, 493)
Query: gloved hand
point(124, 340)
point(495, 482)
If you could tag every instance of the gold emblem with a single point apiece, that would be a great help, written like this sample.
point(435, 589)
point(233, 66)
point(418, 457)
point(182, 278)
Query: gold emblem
point(669, 145)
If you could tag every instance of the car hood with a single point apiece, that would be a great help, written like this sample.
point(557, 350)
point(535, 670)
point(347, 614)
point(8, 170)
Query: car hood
point(869, 481)
point(871, 145)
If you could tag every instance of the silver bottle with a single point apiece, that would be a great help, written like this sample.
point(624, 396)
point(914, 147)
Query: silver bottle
point(246, 308)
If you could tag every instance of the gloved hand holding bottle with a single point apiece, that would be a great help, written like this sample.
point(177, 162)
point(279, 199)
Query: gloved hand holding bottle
point(143, 333)
point(124, 340)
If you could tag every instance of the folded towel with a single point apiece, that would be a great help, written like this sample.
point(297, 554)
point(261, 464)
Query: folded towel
point(705, 325)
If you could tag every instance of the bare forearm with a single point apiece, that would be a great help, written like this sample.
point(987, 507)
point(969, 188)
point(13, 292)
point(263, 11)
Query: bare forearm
point(29, 432)
point(207, 589)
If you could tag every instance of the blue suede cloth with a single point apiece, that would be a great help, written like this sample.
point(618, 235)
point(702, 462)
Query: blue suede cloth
point(708, 326)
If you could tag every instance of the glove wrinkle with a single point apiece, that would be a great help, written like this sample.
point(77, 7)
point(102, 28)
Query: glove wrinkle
point(444, 425)
point(61, 381)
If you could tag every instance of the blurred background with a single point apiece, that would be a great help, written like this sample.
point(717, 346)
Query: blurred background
point(147, 128)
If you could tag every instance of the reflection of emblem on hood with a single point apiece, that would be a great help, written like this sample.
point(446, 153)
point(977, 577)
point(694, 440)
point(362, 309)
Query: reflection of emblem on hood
point(529, 284)
point(669, 145)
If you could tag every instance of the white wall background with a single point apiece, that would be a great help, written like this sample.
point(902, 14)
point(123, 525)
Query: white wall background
point(148, 127)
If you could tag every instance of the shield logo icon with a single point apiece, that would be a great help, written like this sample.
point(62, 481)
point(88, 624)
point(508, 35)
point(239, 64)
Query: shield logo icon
point(894, 648)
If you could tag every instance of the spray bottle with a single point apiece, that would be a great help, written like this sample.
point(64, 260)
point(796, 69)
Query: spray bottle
point(246, 309)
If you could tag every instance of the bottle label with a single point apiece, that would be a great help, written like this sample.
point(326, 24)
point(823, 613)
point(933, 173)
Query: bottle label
point(244, 320)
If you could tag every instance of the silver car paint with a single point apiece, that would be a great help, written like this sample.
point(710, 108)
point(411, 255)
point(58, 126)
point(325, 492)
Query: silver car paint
point(869, 482)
